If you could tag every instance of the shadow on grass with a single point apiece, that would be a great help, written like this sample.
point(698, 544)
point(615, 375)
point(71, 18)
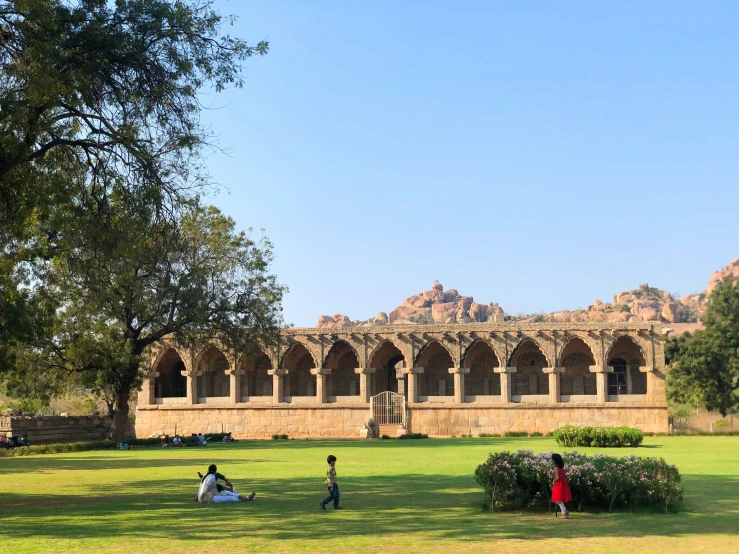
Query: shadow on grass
point(433, 506)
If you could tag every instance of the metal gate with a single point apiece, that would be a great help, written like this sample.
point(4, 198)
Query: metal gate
point(388, 408)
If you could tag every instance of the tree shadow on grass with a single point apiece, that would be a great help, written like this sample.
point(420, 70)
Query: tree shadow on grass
point(437, 506)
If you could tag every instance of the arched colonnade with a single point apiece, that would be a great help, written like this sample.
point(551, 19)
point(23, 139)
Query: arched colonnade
point(459, 365)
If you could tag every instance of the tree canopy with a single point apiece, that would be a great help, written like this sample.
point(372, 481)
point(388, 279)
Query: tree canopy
point(706, 366)
point(137, 279)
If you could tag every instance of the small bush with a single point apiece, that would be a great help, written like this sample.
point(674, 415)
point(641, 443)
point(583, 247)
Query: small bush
point(488, 435)
point(522, 480)
point(536, 434)
point(414, 436)
point(283, 437)
point(275, 437)
point(385, 437)
point(602, 437)
point(515, 434)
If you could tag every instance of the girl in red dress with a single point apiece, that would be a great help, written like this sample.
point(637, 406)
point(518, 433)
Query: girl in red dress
point(560, 488)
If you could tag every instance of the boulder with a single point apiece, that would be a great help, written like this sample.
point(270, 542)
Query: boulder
point(669, 312)
point(442, 313)
point(720, 276)
point(437, 286)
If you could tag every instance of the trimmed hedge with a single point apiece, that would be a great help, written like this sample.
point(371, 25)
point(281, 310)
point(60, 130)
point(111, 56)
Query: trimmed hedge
point(515, 434)
point(61, 448)
point(522, 480)
point(602, 437)
point(414, 436)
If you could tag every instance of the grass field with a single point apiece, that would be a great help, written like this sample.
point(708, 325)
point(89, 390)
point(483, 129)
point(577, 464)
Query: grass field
point(409, 496)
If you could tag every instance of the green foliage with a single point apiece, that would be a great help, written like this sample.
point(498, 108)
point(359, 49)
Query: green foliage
point(282, 437)
point(679, 415)
point(604, 437)
point(515, 434)
point(706, 365)
point(414, 436)
point(624, 308)
point(536, 434)
point(522, 480)
point(488, 435)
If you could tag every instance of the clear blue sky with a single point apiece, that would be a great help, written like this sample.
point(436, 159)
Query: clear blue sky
point(536, 154)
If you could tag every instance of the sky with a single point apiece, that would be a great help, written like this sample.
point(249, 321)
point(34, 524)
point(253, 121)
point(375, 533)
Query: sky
point(536, 154)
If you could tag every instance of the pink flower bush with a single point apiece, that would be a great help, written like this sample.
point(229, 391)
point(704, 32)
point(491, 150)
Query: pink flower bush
point(523, 480)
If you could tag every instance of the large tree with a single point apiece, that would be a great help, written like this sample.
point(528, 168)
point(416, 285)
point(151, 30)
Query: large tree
point(128, 279)
point(94, 95)
point(706, 366)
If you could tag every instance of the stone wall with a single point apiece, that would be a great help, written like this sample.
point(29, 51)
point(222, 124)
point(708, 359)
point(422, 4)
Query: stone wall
point(53, 429)
point(346, 420)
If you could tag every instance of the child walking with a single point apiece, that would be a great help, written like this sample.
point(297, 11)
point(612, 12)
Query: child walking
point(560, 488)
point(331, 484)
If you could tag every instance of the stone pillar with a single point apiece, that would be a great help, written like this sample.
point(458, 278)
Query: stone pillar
point(364, 382)
point(235, 384)
point(505, 383)
point(412, 373)
point(554, 381)
point(459, 373)
point(321, 374)
point(146, 396)
point(651, 382)
point(192, 386)
point(601, 381)
point(277, 380)
point(401, 382)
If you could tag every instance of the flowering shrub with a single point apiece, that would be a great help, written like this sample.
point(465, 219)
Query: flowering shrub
point(572, 435)
point(523, 480)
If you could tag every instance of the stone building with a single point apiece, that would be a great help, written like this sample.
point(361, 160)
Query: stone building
point(447, 379)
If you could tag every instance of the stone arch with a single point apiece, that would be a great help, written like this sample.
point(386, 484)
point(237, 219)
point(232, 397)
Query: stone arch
point(436, 361)
point(169, 381)
point(387, 359)
point(342, 360)
point(576, 358)
point(625, 356)
point(256, 381)
point(212, 367)
point(300, 381)
point(482, 380)
point(529, 360)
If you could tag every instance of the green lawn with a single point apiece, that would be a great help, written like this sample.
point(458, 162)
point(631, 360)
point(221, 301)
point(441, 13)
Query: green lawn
point(410, 496)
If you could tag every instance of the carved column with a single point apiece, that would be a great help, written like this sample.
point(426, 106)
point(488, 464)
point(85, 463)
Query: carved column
point(401, 381)
point(412, 373)
point(147, 396)
point(236, 376)
point(554, 382)
point(192, 386)
point(277, 382)
point(459, 373)
point(505, 383)
point(601, 381)
point(321, 374)
point(651, 382)
point(364, 382)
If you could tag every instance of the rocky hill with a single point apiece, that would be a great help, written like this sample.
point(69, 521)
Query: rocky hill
point(642, 304)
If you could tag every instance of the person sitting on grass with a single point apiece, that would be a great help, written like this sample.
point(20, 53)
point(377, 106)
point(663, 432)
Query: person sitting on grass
point(176, 441)
point(193, 440)
point(209, 491)
point(229, 438)
point(165, 441)
point(202, 440)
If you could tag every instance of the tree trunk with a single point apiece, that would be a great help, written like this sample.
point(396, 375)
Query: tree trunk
point(120, 415)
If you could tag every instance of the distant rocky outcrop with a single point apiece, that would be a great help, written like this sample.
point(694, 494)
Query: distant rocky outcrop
point(642, 304)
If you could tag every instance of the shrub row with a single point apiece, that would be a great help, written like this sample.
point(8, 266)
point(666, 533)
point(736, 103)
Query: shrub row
point(523, 481)
point(58, 448)
point(275, 437)
point(572, 435)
